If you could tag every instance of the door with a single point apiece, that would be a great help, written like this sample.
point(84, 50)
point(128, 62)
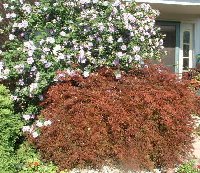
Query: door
point(186, 50)
point(171, 44)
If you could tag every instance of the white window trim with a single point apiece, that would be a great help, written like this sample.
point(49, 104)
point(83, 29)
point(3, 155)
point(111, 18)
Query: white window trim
point(183, 27)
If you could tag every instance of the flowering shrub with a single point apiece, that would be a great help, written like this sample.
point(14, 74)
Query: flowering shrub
point(142, 120)
point(76, 35)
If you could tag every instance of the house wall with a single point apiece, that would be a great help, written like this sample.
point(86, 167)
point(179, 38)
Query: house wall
point(197, 36)
point(180, 2)
point(185, 12)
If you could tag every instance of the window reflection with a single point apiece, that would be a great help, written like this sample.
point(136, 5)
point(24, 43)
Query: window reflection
point(186, 37)
point(186, 49)
point(185, 63)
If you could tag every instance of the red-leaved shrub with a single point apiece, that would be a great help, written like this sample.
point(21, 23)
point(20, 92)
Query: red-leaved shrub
point(141, 121)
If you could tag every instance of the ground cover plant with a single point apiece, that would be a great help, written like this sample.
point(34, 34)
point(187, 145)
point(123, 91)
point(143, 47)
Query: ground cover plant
point(141, 121)
point(30, 161)
point(189, 167)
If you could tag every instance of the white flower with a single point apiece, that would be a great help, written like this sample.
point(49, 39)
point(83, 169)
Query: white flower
point(119, 54)
point(21, 1)
point(56, 49)
point(123, 47)
point(11, 37)
point(55, 4)
point(21, 82)
point(1, 65)
point(156, 44)
point(161, 42)
point(116, 62)
point(35, 134)
point(30, 60)
point(45, 8)
point(39, 123)
point(19, 68)
point(120, 40)
point(84, 1)
point(26, 128)
point(61, 56)
point(37, 4)
point(30, 53)
point(1, 19)
point(81, 57)
point(136, 49)
point(27, 8)
point(111, 29)
point(15, 25)
point(162, 47)
point(48, 64)
point(86, 74)
point(50, 40)
point(13, 15)
point(5, 6)
point(6, 71)
point(23, 24)
point(15, 98)
point(137, 57)
point(29, 45)
point(131, 17)
point(142, 38)
point(47, 123)
point(71, 72)
point(118, 75)
point(8, 15)
point(110, 39)
point(37, 76)
point(42, 41)
point(54, 21)
point(90, 44)
point(33, 86)
point(27, 117)
point(95, 1)
point(116, 3)
point(46, 50)
point(105, 3)
point(101, 26)
point(62, 33)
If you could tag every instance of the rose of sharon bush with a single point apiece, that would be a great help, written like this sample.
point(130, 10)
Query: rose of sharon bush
point(79, 35)
point(141, 121)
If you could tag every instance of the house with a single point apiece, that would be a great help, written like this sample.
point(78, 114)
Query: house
point(180, 21)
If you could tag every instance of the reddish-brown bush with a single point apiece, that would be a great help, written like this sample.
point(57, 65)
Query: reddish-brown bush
point(141, 121)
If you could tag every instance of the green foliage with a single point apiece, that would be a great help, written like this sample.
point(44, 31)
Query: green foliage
point(188, 167)
point(30, 161)
point(10, 125)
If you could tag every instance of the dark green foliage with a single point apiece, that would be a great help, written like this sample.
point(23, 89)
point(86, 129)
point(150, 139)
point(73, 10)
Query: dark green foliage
point(10, 125)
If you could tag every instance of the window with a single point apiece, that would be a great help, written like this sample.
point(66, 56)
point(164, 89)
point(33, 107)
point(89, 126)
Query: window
point(186, 49)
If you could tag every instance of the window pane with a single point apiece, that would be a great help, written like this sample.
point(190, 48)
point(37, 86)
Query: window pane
point(185, 63)
point(186, 49)
point(186, 37)
point(170, 32)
